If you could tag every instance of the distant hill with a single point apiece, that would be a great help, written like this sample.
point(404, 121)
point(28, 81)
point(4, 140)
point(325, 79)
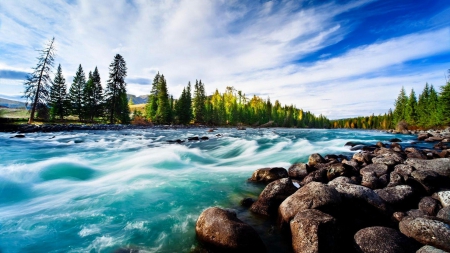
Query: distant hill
point(11, 103)
point(138, 99)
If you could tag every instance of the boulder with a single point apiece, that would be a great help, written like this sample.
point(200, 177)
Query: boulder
point(370, 180)
point(429, 206)
point(443, 197)
point(314, 231)
point(371, 176)
point(314, 195)
point(342, 180)
point(380, 144)
point(444, 213)
point(299, 170)
point(389, 159)
point(395, 179)
point(400, 196)
point(339, 169)
point(352, 163)
point(315, 159)
point(362, 157)
point(396, 147)
point(404, 170)
point(416, 213)
point(428, 179)
point(319, 175)
point(427, 231)
point(429, 249)
point(395, 140)
point(247, 202)
point(378, 169)
point(383, 240)
point(267, 175)
point(439, 165)
point(221, 231)
point(272, 196)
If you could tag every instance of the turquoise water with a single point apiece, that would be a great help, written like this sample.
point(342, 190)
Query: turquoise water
point(100, 191)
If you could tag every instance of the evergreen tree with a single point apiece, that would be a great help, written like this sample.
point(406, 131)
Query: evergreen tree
point(433, 107)
point(423, 108)
point(199, 102)
point(116, 93)
point(180, 108)
point(411, 107)
point(88, 108)
point(98, 101)
point(400, 105)
point(58, 92)
point(162, 113)
point(152, 103)
point(37, 86)
point(444, 101)
point(76, 95)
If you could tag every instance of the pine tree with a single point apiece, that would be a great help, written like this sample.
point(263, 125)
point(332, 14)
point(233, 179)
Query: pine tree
point(400, 105)
point(116, 93)
point(76, 95)
point(98, 101)
point(58, 92)
point(444, 101)
point(88, 108)
point(37, 86)
point(433, 107)
point(162, 113)
point(199, 102)
point(152, 103)
point(180, 109)
point(423, 113)
point(411, 109)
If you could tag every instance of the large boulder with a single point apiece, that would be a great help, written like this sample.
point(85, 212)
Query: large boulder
point(314, 231)
point(221, 231)
point(299, 170)
point(400, 197)
point(440, 165)
point(362, 157)
point(427, 231)
point(316, 159)
point(428, 179)
point(383, 240)
point(272, 196)
point(314, 195)
point(268, 175)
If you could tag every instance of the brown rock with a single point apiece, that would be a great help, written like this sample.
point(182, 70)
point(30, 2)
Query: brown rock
point(399, 196)
point(221, 231)
point(299, 171)
point(338, 169)
point(319, 175)
point(426, 231)
point(272, 196)
point(268, 174)
point(429, 206)
point(440, 165)
point(313, 231)
point(383, 240)
point(315, 159)
point(444, 213)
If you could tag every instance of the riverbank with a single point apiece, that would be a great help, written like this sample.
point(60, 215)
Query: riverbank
point(387, 198)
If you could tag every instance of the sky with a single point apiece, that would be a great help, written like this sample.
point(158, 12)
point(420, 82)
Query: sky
point(338, 58)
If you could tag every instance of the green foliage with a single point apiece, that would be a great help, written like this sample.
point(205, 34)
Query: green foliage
point(444, 101)
point(163, 111)
point(37, 86)
point(400, 105)
point(183, 106)
point(199, 102)
point(411, 109)
point(59, 103)
point(116, 93)
point(76, 93)
point(152, 103)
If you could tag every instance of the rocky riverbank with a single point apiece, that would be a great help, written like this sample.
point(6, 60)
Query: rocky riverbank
point(386, 198)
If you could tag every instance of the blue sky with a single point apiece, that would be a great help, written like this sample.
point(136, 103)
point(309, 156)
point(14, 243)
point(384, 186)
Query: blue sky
point(339, 58)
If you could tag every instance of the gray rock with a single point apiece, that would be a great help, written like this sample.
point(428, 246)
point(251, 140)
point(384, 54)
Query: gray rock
point(443, 197)
point(313, 231)
point(319, 175)
point(383, 240)
point(444, 213)
point(395, 179)
point(430, 249)
point(427, 231)
point(429, 206)
point(338, 169)
point(398, 196)
point(404, 170)
point(299, 171)
point(314, 195)
point(378, 169)
point(221, 231)
point(430, 180)
point(268, 174)
point(272, 196)
point(371, 176)
point(440, 165)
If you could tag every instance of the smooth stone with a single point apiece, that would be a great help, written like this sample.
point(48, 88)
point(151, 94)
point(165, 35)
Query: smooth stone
point(443, 197)
point(268, 174)
point(271, 197)
point(439, 165)
point(315, 159)
point(299, 170)
point(383, 240)
point(427, 231)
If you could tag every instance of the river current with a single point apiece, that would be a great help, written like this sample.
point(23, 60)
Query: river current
point(99, 191)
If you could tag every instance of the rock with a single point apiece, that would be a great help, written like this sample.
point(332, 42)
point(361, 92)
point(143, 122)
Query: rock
point(352, 163)
point(342, 180)
point(357, 147)
point(314, 195)
point(315, 159)
point(338, 169)
point(429, 249)
point(395, 140)
point(383, 240)
point(389, 159)
point(195, 138)
point(378, 169)
point(316, 176)
point(371, 174)
point(221, 231)
point(398, 216)
point(380, 144)
point(204, 138)
point(247, 202)
point(429, 206)
point(443, 197)
point(426, 231)
point(404, 170)
point(395, 179)
point(396, 147)
point(299, 170)
point(351, 144)
point(444, 213)
point(429, 180)
point(423, 136)
point(416, 213)
point(362, 157)
point(313, 231)
point(272, 196)
point(400, 196)
point(439, 165)
point(268, 174)
point(19, 136)
point(330, 158)
point(370, 180)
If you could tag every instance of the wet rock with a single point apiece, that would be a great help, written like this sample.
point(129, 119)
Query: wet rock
point(423, 136)
point(338, 169)
point(319, 175)
point(204, 138)
point(352, 144)
point(429, 180)
point(429, 249)
point(268, 174)
point(221, 231)
point(314, 195)
point(440, 165)
point(19, 136)
point(195, 138)
point(314, 231)
point(272, 196)
point(400, 196)
point(426, 231)
point(357, 147)
point(330, 158)
point(443, 197)
point(380, 144)
point(396, 147)
point(315, 159)
point(395, 140)
point(362, 157)
point(247, 202)
point(444, 213)
point(429, 206)
point(299, 170)
point(383, 240)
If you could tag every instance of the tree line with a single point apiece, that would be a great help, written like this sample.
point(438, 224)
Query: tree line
point(229, 108)
point(429, 109)
point(86, 99)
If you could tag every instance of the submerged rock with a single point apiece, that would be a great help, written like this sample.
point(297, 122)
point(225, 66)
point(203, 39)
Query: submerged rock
point(268, 174)
point(221, 231)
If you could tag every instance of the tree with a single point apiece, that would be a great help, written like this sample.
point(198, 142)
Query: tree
point(152, 103)
point(199, 102)
point(37, 86)
point(98, 102)
point(76, 95)
point(422, 107)
point(162, 113)
point(444, 101)
point(411, 109)
point(58, 96)
point(116, 93)
point(88, 107)
point(400, 105)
